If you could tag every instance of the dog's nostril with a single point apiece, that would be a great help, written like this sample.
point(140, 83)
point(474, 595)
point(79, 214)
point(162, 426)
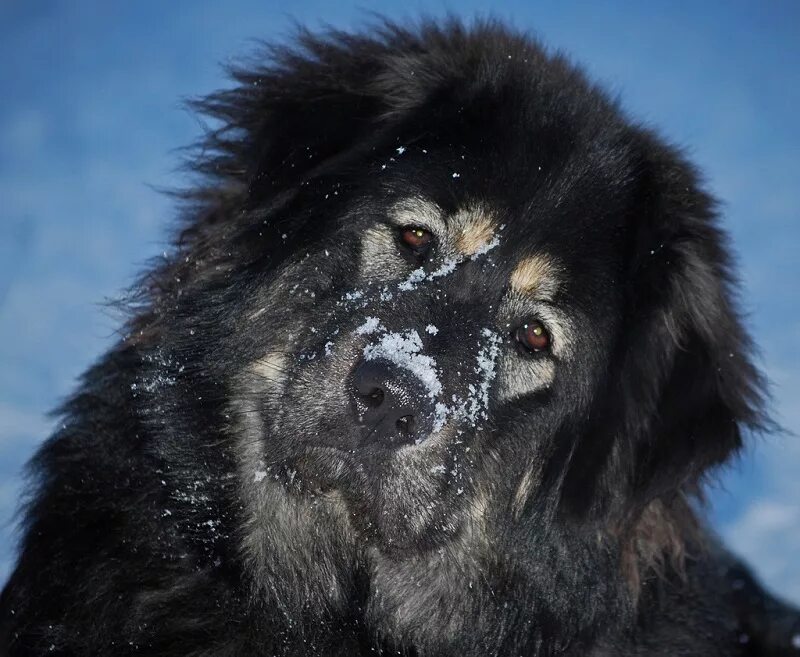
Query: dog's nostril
point(390, 403)
point(405, 424)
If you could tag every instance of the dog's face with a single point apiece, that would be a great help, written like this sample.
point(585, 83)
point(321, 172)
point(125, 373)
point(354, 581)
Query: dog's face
point(420, 342)
point(461, 304)
point(442, 339)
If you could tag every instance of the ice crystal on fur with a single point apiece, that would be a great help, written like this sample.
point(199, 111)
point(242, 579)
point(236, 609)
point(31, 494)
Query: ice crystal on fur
point(475, 406)
point(370, 325)
point(416, 276)
point(486, 370)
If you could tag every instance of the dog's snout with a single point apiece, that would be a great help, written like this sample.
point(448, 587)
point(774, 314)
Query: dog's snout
point(391, 403)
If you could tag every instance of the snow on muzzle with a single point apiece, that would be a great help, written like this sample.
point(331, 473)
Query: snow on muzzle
point(397, 392)
point(395, 388)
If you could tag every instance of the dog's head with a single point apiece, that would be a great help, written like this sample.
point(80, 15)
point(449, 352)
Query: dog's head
point(438, 275)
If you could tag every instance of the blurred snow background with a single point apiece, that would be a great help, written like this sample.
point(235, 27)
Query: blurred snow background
point(91, 115)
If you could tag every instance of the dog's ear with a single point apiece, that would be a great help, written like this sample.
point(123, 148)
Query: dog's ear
point(683, 387)
point(686, 375)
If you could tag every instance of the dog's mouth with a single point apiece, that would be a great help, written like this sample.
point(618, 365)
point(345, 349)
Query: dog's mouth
point(394, 499)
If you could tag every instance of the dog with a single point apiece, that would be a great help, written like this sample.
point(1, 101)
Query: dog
point(440, 361)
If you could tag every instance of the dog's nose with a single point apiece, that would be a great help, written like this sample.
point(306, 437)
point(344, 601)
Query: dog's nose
point(392, 404)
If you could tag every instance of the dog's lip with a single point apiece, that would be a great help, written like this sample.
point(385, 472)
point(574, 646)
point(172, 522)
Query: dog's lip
point(324, 467)
point(379, 444)
point(335, 467)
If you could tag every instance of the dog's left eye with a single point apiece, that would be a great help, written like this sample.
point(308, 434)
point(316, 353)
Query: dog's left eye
point(533, 336)
point(415, 238)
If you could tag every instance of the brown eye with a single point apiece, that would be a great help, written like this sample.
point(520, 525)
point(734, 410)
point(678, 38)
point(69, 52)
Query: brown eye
point(533, 336)
point(417, 239)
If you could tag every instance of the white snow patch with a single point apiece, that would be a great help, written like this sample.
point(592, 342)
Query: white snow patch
point(448, 267)
point(419, 275)
point(441, 412)
point(404, 350)
point(485, 248)
point(164, 375)
point(416, 276)
point(473, 408)
point(487, 358)
point(370, 326)
point(430, 328)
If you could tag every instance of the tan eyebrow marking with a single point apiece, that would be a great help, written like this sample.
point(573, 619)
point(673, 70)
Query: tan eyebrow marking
point(473, 228)
point(416, 211)
point(536, 276)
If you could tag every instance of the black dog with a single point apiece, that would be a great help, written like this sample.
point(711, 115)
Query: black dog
point(443, 353)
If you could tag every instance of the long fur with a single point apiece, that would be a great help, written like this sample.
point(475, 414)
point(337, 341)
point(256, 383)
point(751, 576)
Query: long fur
point(202, 496)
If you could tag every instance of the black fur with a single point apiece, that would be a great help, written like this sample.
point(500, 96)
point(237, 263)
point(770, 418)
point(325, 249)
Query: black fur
point(146, 533)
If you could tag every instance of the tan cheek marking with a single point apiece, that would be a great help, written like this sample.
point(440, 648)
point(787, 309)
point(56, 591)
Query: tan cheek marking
point(271, 367)
point(524, 491)
point(530, 376)
point(479, 515)
point(473, 229)
point(535, 276)
point(378, 246)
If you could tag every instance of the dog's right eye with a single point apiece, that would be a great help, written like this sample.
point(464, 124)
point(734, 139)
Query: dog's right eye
point(418, 240)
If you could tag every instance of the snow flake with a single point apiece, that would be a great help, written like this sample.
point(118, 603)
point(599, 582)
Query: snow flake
point(370, 326)
point(354, 295)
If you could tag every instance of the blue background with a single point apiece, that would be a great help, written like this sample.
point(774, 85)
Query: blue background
point(91, 115)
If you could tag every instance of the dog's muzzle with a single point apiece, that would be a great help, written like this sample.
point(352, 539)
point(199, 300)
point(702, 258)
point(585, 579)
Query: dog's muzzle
point(392, 405)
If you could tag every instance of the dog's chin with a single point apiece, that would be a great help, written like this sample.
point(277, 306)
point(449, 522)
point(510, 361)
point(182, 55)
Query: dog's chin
point(398, 501)
point(405, 527)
